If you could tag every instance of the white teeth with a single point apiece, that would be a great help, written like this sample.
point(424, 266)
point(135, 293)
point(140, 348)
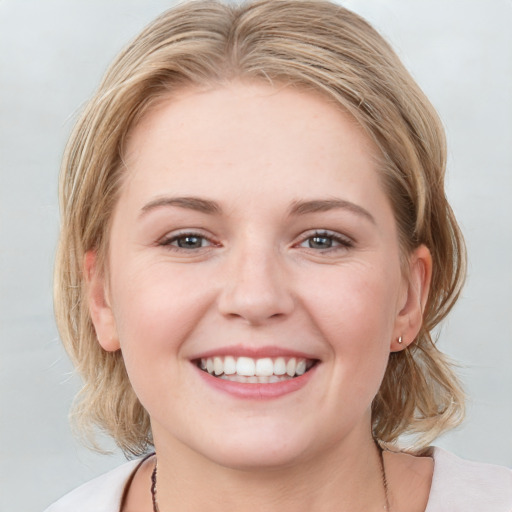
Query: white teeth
point(218, 366)
point(265, 367)
point(291, 365)
point(247, 369)
point(229, 365)
point(279, 366)
point(254, 379)
point(301, 367)
point(245, 366)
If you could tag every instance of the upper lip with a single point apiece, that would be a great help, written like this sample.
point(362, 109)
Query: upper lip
point(253, 352)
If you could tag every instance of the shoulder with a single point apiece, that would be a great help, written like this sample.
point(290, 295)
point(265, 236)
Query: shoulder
point(103, 494)
point(460, 485)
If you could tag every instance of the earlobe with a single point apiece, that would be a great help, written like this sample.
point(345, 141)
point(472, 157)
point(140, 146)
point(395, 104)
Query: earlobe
point(410, 316)
point(99, 307)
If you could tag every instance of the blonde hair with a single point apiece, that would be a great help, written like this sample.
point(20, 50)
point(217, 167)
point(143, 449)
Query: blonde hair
point(317, 46)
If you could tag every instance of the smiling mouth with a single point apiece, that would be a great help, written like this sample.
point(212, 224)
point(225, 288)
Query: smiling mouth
point(255, 371)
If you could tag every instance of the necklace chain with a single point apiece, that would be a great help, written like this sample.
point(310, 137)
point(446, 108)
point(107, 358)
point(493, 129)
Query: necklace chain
point(153, 489)
point(382, 469)
point(384, 479)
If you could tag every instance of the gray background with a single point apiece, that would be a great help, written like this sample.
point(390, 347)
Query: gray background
point(52, 55)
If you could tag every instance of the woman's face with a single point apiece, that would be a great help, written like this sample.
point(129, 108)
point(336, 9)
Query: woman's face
point(252, 237)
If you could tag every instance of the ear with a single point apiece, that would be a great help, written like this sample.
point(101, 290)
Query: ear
point(410, 316)
point(99, 304)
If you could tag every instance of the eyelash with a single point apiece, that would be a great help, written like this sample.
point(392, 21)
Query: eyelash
point(342, 241)
point(169, 241)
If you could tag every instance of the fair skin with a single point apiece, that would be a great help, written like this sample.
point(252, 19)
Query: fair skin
point(252, 225)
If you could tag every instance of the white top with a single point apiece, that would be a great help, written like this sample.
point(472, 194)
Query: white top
point(457, 486)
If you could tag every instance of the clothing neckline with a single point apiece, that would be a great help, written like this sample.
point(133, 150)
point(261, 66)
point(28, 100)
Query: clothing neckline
point(129, 481)
point(430, 452)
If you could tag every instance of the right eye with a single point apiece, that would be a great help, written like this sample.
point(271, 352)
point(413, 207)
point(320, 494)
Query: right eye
point(186, 242)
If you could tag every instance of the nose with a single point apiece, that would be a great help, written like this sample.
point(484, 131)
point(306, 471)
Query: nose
point(256, 287)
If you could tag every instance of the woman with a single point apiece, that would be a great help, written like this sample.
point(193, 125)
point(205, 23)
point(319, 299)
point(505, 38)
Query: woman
point(255, 247)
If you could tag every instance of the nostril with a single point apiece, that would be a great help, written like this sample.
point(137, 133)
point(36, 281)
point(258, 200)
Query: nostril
point(256, 310)
point(255, 288)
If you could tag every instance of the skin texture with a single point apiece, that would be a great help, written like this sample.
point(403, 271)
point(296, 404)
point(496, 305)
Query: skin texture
point(258, 280)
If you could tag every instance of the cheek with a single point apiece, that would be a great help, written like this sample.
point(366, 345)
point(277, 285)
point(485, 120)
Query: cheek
point(155, 312)
point(149, 296)
point(355, 299)
point(355, 310)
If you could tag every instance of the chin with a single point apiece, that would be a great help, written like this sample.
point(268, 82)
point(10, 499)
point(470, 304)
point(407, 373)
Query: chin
point(258, 449)
point(259, 459)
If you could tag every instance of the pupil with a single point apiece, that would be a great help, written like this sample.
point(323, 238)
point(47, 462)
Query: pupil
point(320, 242)
point(190, 242)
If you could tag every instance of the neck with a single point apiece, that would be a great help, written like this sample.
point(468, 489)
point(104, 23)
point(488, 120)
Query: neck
point(347, 477)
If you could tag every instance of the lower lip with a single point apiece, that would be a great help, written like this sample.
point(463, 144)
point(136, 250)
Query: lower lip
point(257, 391)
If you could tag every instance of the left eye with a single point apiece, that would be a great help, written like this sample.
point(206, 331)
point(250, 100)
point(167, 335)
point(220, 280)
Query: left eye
point(325, 241)
point(187, 241)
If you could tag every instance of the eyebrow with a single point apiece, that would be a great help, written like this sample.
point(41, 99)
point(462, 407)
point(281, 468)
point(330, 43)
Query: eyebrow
point(297, 207)
point(324, 205)
point(190, 203)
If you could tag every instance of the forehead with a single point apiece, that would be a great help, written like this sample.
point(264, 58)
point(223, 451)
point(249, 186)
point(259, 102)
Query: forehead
point(277, 140)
